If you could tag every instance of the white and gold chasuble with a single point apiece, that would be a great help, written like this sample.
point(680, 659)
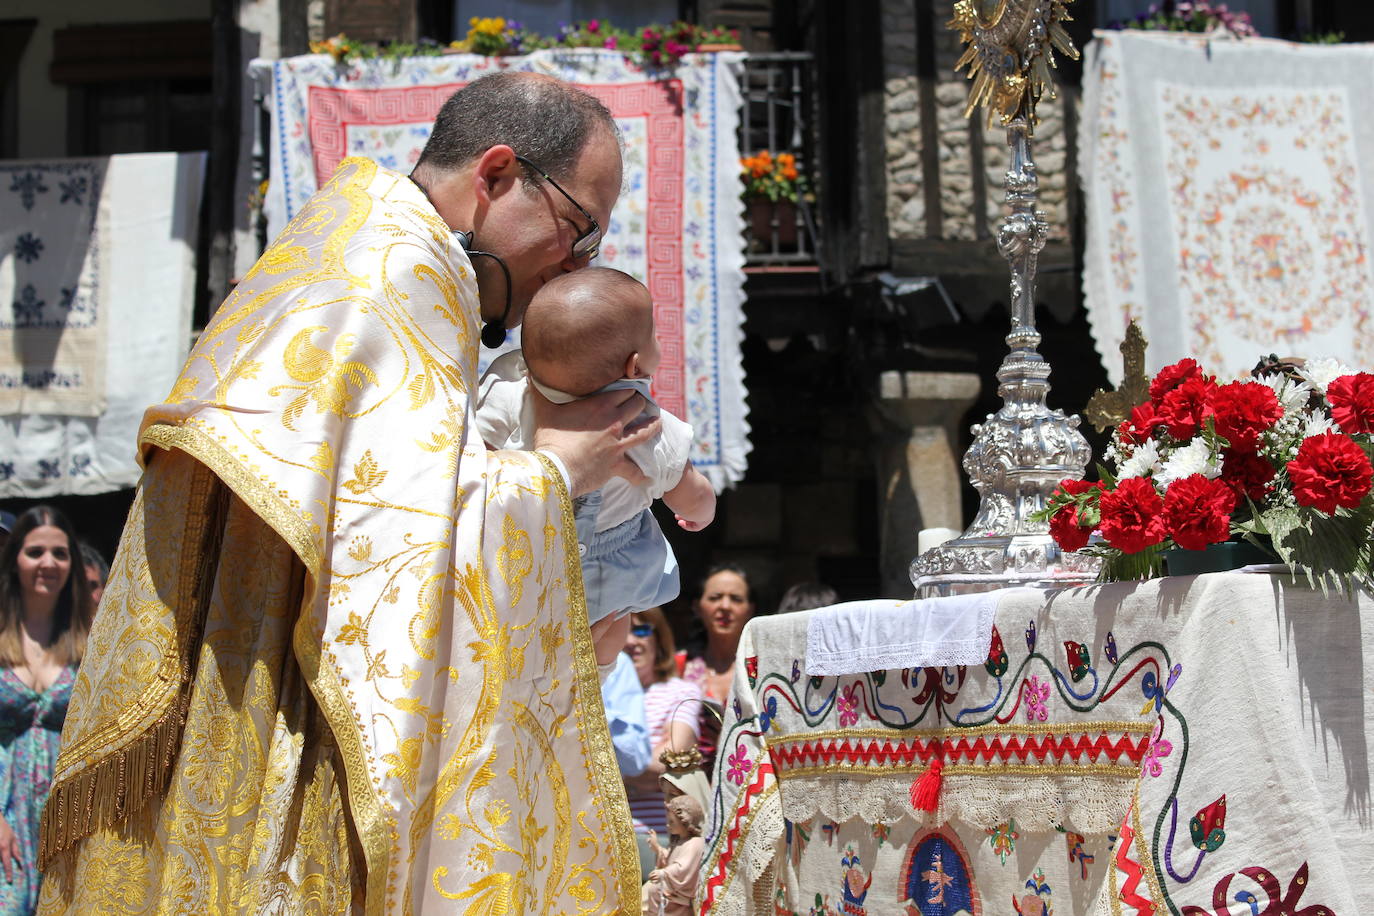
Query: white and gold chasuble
point(371, 627)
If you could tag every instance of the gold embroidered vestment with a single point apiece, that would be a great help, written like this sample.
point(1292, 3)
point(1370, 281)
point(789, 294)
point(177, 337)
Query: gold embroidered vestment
point(372, 627)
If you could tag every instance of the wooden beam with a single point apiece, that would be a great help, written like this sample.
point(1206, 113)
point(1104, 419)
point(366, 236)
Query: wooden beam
point(927, 107)
point(946, 257)
point(119, 52)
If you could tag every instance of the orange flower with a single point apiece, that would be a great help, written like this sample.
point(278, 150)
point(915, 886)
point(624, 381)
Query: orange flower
point(787, 161)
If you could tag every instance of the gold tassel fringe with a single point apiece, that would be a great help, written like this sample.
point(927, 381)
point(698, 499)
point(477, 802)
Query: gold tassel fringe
point(114, 788)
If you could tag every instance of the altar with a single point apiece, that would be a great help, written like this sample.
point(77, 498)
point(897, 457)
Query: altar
point(1187, 745)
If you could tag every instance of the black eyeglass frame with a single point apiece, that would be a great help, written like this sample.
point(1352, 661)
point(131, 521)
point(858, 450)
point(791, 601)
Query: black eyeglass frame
point(593, 231)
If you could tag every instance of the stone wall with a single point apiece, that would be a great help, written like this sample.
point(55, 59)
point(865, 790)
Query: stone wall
point(905, 171)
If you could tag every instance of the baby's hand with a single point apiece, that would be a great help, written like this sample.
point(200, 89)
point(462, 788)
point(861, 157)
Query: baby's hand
point(688, 524)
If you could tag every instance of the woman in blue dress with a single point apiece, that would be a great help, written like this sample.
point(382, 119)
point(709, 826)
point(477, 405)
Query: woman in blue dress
point(45, 614)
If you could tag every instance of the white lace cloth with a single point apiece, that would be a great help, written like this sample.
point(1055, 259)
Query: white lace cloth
point(876, 635)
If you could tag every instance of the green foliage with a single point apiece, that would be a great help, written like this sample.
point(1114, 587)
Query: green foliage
point(1128, 567)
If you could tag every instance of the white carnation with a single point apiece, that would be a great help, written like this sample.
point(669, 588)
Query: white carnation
point(1317, 425)
point(1144, 460)
point(1193, 458)
point(1292, 395)
point(1322, 372)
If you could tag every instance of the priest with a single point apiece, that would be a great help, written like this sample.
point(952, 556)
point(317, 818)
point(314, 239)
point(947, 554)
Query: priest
point(342, 663)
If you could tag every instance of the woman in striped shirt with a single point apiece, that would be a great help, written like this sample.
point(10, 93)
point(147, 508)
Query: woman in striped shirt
point(672, 710)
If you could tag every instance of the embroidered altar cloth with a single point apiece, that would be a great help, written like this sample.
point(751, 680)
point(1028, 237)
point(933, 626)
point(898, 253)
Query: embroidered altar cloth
point(678, 226)
point(1228, 209)
point(1179, 745)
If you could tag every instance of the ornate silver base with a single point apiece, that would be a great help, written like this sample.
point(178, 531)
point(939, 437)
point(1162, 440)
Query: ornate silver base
point(983, 564)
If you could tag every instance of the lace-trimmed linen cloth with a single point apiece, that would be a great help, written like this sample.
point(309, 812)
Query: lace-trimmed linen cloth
point(860, 636)
point(1179, 745)
point(678, 226)
point(1227, 189)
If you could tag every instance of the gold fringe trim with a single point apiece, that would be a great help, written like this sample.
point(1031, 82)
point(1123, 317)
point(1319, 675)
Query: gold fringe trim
point(106, 792)
point(120, 785)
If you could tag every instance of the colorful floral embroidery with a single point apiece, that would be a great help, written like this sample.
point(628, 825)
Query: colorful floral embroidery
point(1037, 695)
point(849, 706)
point(740, 765)
point(1002, 839)
point(880, 832)
point(1040, 901)
point(1076, 853)
point(1159, 749)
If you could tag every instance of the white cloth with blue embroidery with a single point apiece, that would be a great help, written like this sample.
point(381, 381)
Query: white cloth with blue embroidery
point(97, 273)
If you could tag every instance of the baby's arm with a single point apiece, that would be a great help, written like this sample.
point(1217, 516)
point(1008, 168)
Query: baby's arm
point(608, 637)
point(693, 500)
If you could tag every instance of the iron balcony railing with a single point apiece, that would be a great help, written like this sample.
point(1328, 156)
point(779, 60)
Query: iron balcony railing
point(778, 116)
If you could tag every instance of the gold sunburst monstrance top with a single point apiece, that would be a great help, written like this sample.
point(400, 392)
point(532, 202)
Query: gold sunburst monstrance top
point(1009, 52)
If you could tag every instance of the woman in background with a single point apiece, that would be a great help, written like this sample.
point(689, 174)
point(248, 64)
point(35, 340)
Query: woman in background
point(724, 605)
point(45, 614)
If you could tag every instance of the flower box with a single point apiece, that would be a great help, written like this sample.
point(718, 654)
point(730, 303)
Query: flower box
point(761, 216)
point(1215, 558)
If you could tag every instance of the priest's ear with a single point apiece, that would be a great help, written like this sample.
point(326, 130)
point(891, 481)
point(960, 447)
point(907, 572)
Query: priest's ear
point(496, 169)
point(632, 367)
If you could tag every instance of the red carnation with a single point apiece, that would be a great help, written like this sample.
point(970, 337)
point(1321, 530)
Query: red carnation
point(1247, 474)
point(1170, 377)
point(1352, 402)
point(1243, 410)
point(1330, 470)
point(1065, 530)
point(1197, 511)
point(1140, 426)
point(1072, 486)
point(1132, 515)
point(1184, 408)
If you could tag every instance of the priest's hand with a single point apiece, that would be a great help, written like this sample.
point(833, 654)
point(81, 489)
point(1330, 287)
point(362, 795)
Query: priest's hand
point(591, 436)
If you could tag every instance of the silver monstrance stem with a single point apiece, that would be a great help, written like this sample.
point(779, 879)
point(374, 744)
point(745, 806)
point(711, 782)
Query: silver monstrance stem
point(1020, 453)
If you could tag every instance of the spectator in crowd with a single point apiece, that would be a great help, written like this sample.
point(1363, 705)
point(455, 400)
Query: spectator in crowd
point(672, 708)
point(806, 595)
point(45, 614)
point(97, 571)
point(723, 606)
point(623, 697)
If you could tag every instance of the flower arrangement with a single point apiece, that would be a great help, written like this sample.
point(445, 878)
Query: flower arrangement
point(657, 46)
point(1281, 460)
point(771, 177)
point(1192, 16)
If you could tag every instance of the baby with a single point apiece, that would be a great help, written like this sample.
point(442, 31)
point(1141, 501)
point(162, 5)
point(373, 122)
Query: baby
point(585, 332)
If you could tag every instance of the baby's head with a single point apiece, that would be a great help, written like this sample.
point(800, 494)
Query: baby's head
point(585, 329)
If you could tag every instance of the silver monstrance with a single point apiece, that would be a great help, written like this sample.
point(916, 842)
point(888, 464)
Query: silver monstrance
point(1021, 452)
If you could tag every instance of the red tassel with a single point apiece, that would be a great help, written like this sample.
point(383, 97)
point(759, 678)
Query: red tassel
point(925, 792)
